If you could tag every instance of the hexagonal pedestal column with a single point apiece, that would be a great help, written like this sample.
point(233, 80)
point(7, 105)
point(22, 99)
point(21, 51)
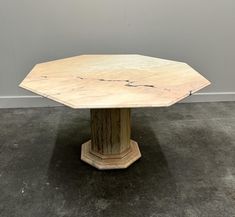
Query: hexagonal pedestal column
point(110, 146)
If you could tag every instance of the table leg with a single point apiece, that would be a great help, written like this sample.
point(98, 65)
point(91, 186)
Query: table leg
point(110, 146)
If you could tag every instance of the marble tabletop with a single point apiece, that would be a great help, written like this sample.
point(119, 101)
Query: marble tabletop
point(114, 81)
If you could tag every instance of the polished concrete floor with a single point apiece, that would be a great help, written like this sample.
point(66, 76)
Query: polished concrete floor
point(187, 167)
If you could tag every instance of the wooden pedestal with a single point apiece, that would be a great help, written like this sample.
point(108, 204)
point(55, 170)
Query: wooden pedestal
point(110, 146)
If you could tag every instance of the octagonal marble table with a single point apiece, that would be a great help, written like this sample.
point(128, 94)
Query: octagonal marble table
point(110, 85)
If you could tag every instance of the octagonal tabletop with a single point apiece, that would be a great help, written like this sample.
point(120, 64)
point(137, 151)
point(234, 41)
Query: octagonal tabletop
point(114, 81)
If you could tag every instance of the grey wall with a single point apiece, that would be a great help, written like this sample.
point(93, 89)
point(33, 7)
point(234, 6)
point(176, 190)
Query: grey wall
point(201, 33)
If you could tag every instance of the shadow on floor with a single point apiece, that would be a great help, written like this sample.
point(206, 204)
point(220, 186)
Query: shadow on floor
point(145, 182)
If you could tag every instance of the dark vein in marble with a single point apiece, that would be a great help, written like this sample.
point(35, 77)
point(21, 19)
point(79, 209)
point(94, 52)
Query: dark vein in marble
point(129, 83)
point(114, 80)
point(139, 85)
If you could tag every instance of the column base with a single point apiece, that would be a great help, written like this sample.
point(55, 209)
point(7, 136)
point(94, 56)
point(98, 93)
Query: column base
point(110, 161)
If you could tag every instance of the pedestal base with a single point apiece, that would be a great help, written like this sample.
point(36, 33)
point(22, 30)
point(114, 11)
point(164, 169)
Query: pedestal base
point(110, 146)
point(112, 161)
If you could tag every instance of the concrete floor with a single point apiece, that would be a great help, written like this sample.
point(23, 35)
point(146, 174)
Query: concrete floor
point(187, 167)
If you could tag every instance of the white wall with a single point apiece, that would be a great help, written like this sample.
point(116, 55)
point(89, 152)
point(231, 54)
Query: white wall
point(201, 33)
